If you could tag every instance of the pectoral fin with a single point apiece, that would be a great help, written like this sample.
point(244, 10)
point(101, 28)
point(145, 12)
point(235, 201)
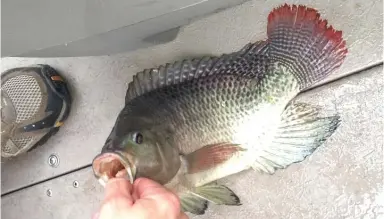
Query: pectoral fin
point(210, 156)
point(300, 133)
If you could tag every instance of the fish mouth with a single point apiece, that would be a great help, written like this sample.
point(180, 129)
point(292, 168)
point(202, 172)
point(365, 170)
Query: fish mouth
point(113, 165)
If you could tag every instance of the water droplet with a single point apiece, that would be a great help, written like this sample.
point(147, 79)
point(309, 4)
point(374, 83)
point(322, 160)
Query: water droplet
point(75, 184)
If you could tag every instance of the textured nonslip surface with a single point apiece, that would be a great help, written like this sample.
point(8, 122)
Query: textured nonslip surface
point(99, 84)
point(342, 179)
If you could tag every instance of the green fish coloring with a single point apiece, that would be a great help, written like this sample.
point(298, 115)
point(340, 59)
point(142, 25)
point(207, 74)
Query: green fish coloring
point(189, 123)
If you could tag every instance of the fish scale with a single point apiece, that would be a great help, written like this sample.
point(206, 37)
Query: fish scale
point(210, 109)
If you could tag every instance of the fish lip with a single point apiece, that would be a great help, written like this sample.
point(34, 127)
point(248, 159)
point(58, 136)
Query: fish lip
point(109, 158)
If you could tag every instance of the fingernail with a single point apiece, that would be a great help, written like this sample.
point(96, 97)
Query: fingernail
point(118, 185)
point(118, 179)
point(122, 174)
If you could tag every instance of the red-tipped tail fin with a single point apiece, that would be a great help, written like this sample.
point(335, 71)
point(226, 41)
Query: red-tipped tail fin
point(300, 40)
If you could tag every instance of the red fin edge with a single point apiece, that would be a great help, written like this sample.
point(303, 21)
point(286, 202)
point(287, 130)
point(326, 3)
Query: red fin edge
point(211, 155)
point(299, 14)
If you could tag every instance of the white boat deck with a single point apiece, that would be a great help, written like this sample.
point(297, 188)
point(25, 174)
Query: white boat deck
point(343, 179)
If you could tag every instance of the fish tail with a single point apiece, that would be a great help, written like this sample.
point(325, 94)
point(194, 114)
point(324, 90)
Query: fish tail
point(304, 43)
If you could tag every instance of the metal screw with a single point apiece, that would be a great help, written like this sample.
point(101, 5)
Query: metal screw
point(75, 184)
point(49, 192)
point(53, 160)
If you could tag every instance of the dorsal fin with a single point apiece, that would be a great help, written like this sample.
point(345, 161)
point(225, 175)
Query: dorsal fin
point(250, 60)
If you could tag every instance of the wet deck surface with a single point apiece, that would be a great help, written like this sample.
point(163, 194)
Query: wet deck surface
point(343, 178)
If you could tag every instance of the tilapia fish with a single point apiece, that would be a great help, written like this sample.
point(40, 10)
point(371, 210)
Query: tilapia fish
point(192, 122)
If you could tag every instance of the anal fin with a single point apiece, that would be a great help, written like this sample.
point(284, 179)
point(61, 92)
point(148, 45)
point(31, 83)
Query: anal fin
point(196, 201)
point(217, 194)
point(193, 204)
point(301, 132)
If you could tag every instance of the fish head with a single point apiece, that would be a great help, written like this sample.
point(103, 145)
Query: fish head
point(136, 150)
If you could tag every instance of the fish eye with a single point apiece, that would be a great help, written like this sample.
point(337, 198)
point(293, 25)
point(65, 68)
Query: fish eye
point(138, 138)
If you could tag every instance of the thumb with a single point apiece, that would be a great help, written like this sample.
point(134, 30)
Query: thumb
point(118, 199)
point(118, 188)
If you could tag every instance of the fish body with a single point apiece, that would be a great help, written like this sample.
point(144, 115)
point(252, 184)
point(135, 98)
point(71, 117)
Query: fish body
point(192, 122)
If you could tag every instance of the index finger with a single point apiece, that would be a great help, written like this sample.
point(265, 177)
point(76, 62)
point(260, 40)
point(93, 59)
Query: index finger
point(151, 193)
point(146, 188)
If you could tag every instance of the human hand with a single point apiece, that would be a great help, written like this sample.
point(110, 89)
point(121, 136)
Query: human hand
point(145, 199)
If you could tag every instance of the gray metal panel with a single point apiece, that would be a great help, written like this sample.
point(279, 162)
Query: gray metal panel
point(39, 24)
point(99, 83)
point(147, 33)
point(342, 179)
